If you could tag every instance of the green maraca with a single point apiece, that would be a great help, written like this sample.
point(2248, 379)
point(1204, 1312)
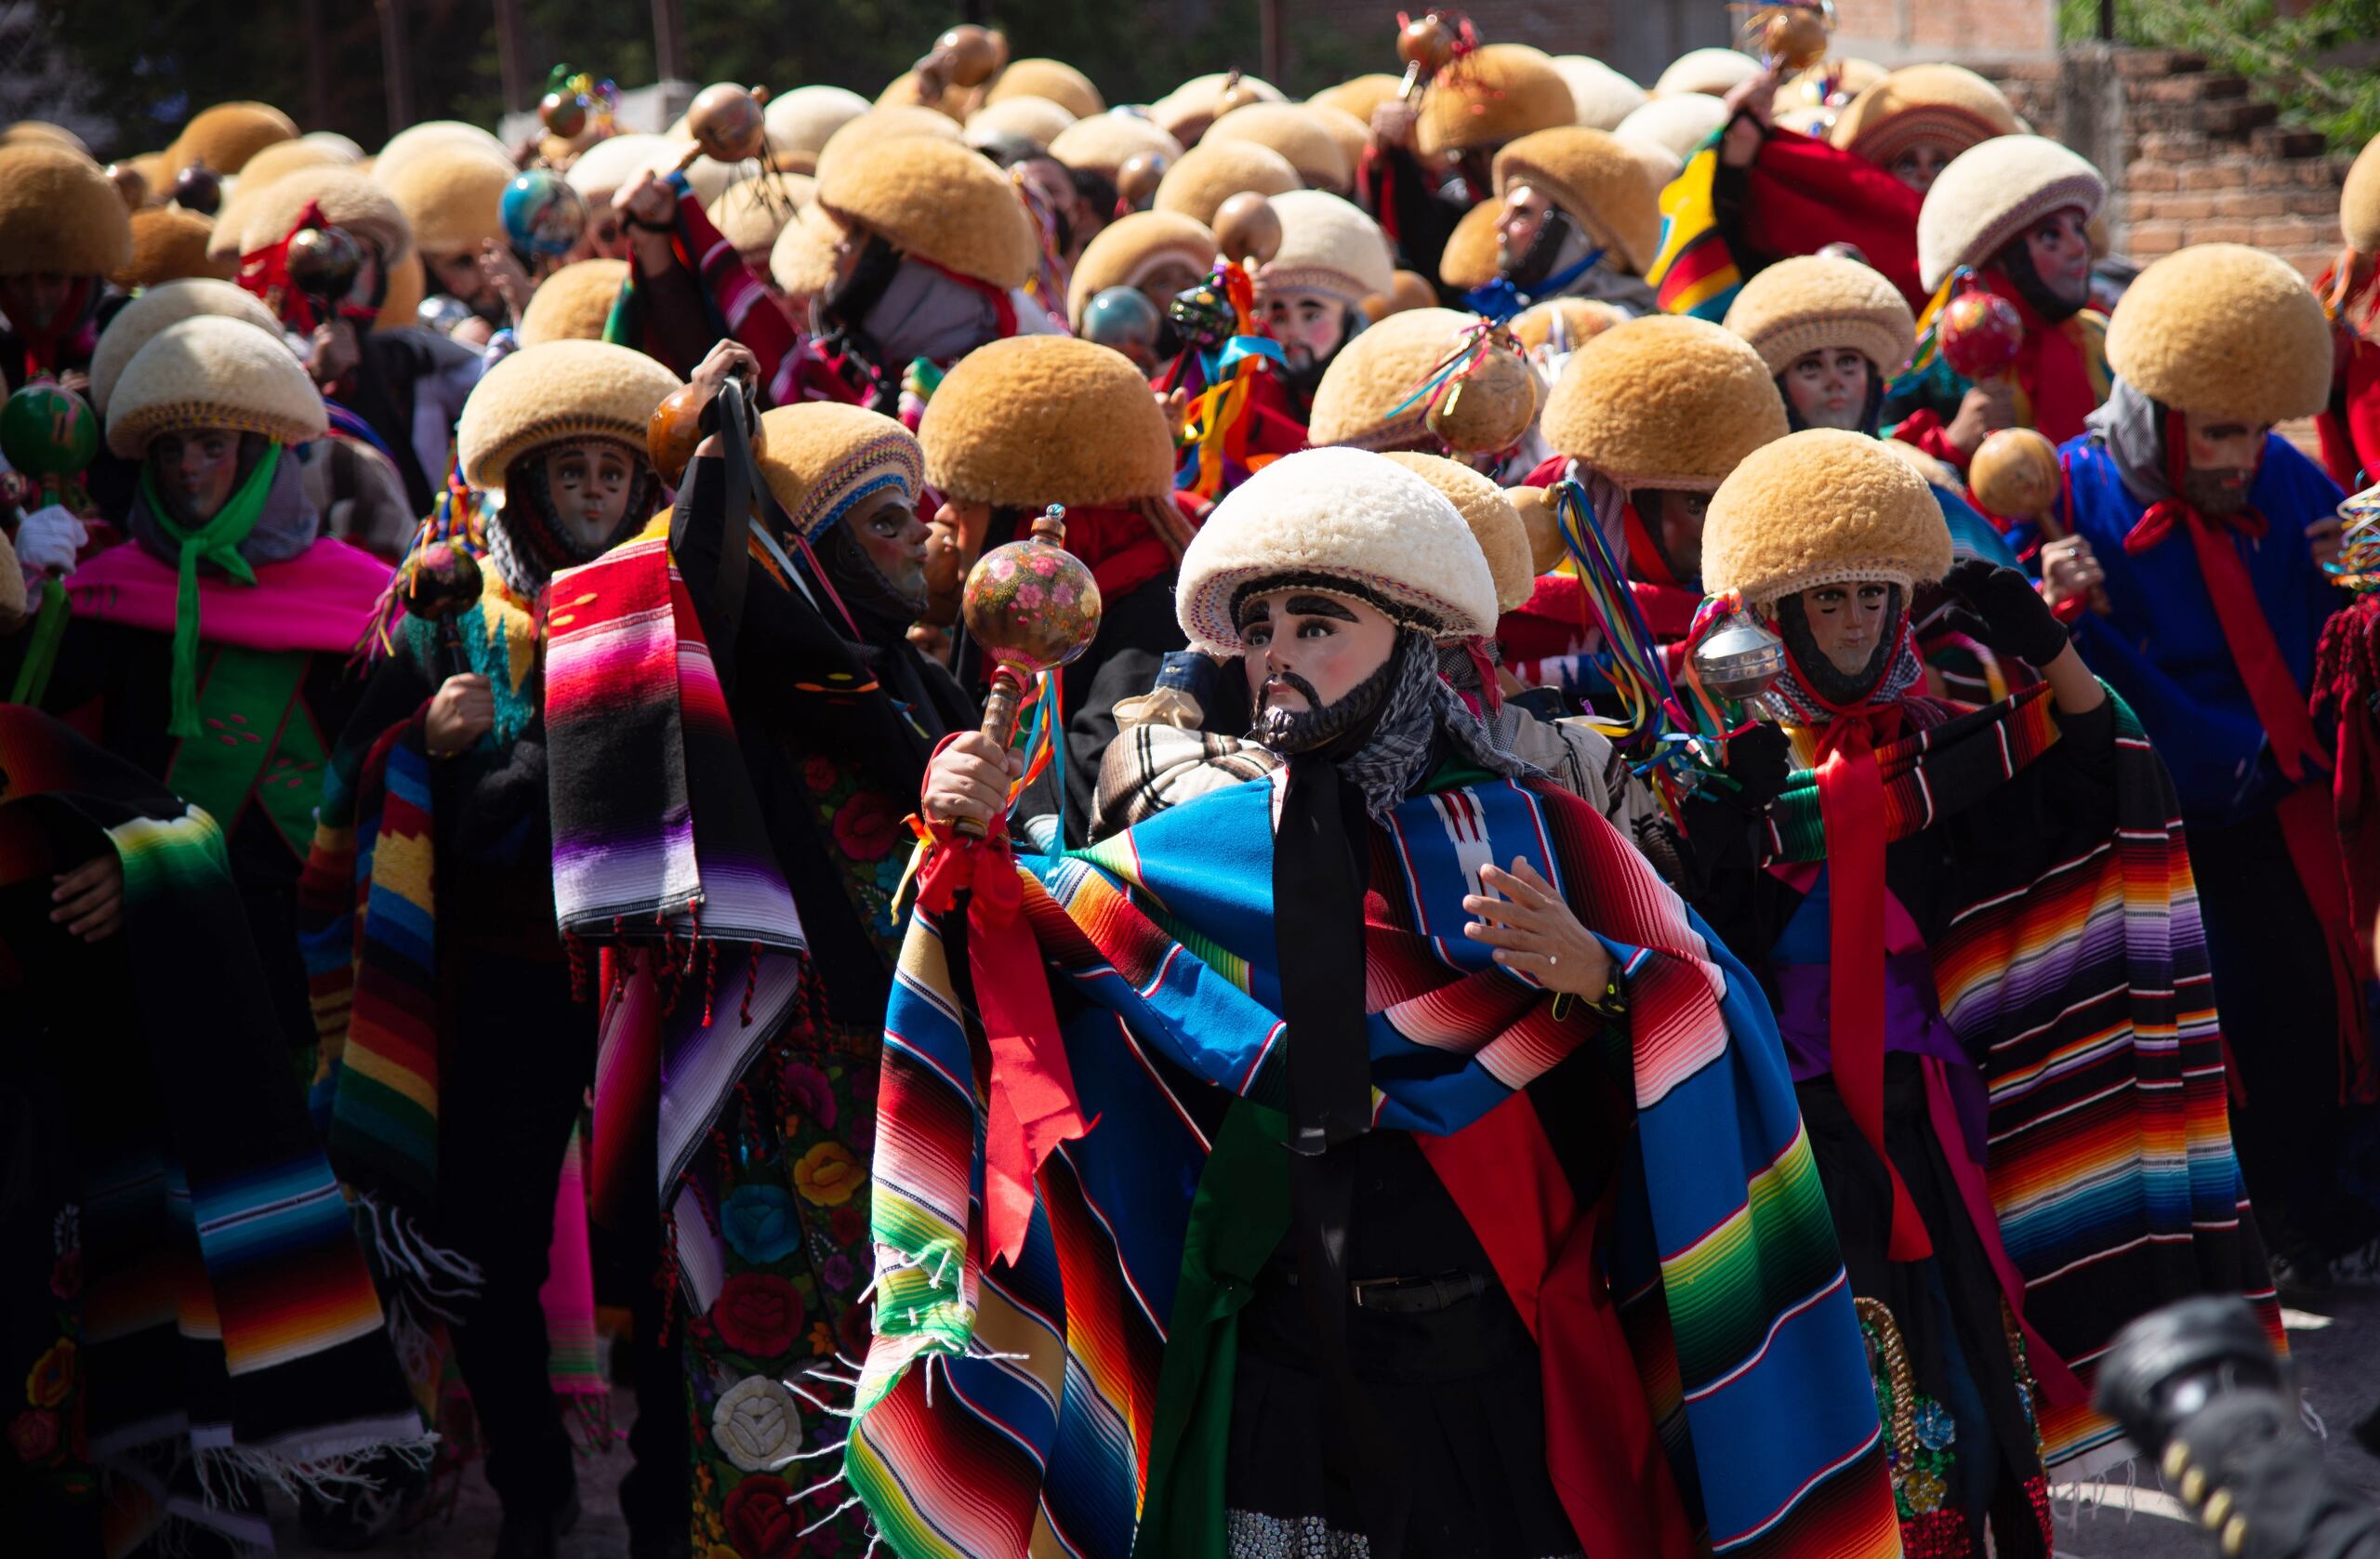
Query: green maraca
point(51, 434)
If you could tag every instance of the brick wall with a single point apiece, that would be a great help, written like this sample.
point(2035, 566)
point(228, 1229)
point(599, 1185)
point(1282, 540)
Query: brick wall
point(2191, 157)
point(1894, 31)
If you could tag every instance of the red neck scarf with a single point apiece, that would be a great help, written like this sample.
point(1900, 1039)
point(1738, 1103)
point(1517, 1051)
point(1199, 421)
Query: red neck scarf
point(2306, 825)
point(69, 326)
point(2049, 366)
point(1124, 552)
point(1851, 802)
point(2279, 707)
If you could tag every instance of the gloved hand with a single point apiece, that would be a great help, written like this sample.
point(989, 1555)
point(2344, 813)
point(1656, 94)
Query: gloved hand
point(50, 540)
point(1760, 762)
point(2000, 610)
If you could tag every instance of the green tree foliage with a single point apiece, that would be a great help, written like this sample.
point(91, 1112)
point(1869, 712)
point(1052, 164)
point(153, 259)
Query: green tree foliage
point(2315, 63)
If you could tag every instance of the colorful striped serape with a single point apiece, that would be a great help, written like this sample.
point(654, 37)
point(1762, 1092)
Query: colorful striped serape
point(1016, 1408)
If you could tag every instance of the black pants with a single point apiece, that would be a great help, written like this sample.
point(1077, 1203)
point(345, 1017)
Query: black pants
point(515, 1062)
point(2273, 986)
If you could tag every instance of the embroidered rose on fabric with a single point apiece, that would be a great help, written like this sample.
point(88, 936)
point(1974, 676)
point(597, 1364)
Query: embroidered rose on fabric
point(837, 1272)
point(33, 1434)
point(866, 826)
point(756, 1423)
point(760, 1223)
point(847, 1224)
point(52, 1375)
point(817, 773)
point(807, 1086)
point(66, 1275)
point(854, 1329)
point(758, 1523)
point(827, 1175)
point(758, 1314)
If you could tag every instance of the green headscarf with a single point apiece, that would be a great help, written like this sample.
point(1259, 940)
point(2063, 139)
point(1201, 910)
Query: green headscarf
point(216, 542)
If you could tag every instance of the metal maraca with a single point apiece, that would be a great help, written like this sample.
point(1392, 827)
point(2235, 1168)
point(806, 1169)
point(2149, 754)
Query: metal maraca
point(1033, 606)
point(542, 214)
point(1739, 660)
point(1123, 319)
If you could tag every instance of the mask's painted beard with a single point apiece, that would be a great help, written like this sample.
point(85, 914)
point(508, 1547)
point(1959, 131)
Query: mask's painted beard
point(1319, 724)
point(1844, 690)
point(866, 587)
point(1529, 270)
point(2210, 495)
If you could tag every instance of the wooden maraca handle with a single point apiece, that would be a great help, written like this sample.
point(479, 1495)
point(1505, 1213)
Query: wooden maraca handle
point(1000, 725)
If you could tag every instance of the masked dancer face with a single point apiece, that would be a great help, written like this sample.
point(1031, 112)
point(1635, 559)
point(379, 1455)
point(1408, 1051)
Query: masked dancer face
point(2223, 456)
point(35, 298)
point(1519, 224)
point(1919, 166)
point(1829, 388)
point(1314, 664)
point(1850, 622)
point(588, 483)
point(1676, 517)
point(888, 529)
point(460, 278)
point(197, 468)
point(2060, 250)
point(1309, 325)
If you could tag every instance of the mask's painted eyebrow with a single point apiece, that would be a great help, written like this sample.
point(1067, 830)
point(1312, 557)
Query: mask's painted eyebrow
point(1319, 606)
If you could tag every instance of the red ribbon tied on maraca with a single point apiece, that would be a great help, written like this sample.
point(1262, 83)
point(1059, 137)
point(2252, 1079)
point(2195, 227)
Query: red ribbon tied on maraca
point(1032, 606)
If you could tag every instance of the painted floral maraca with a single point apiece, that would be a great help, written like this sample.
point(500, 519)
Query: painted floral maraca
point(1033, 606)
point(1981, 334)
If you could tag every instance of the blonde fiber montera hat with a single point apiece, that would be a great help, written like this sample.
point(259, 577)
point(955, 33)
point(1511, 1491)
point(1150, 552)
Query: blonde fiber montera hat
point(2222, 330)
point(1337, 516)
point(823, 456)
point(1488, 510)
point(158, 309)
point(1664, 401)
point(1821, 507)
point(562, 390)
point(213, 371)
point(1811, 302)
point(1046, 420)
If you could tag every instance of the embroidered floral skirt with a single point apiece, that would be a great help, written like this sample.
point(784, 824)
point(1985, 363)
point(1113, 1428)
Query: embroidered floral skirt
point(786, 1182)
point(1947, 1358)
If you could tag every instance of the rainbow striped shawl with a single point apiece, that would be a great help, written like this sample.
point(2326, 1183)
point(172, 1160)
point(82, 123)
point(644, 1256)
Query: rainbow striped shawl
point(1161, 942)
point(226, 1315)
point(2080, 984)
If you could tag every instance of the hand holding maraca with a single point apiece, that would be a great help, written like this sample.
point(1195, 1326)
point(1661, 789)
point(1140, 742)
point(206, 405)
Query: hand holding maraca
point(1032, 606)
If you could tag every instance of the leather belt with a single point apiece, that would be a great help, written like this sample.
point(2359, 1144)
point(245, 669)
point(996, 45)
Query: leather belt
point(1413, 1295)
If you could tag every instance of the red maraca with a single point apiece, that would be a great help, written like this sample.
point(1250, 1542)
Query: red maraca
point(1981, 334)
point(1033, 606)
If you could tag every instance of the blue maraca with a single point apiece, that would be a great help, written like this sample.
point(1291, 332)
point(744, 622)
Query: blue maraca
point(542, 214)
point(1123, 318)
